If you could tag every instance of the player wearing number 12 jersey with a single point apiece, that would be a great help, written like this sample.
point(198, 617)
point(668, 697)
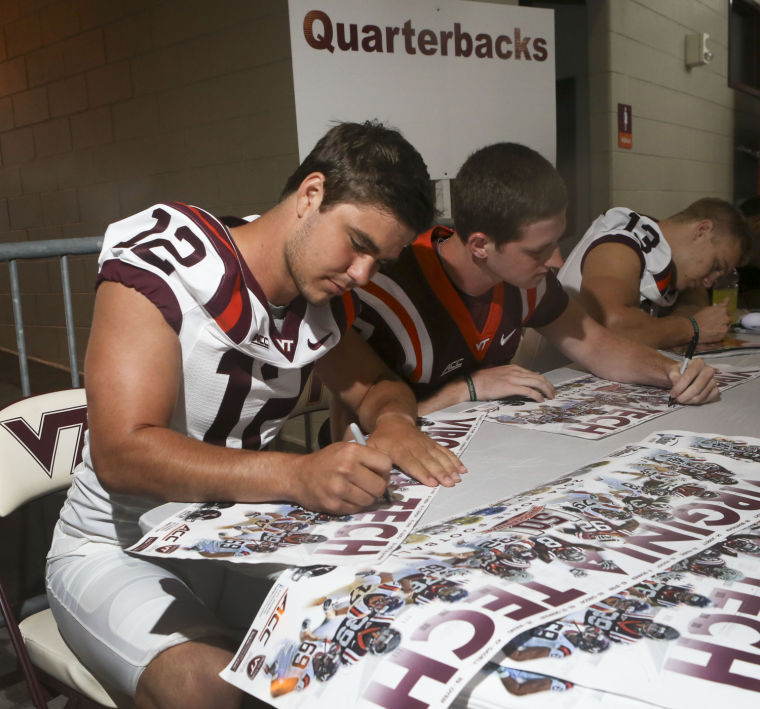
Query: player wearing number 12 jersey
point(204, 333)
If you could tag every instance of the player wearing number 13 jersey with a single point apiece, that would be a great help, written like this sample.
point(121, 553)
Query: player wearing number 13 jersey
point(632, 273)
point(643, 236)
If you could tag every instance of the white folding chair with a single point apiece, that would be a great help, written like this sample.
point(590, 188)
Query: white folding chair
point(41, 440)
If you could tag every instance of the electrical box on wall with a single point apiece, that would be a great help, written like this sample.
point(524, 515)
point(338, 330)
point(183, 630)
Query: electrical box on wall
point(697, 51)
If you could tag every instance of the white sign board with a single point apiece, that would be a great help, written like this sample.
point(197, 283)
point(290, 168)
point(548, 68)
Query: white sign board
point(453, 76)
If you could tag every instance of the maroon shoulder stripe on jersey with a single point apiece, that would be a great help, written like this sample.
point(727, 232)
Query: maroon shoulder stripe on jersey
point(613, 238)
point(229, 306)
point(344, 310)
point(153, 287)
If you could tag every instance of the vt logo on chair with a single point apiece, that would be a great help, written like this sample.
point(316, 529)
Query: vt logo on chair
point(43, 443)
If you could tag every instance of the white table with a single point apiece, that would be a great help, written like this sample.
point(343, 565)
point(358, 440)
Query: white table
point(503, 460)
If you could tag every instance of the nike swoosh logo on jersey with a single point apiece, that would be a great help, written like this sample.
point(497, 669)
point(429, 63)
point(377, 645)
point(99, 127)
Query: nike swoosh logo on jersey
point(321, 341)
point(504, 338)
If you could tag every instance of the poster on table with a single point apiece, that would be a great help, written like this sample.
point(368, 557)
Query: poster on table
point(498, 57)
point(731, 344)
point(646, 557)
point(590, 407)
point(283, 533)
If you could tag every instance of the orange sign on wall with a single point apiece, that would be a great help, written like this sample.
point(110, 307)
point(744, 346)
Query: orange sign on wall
point(625, 126)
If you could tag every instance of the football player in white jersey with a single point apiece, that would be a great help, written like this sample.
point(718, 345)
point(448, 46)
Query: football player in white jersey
point(630, 271)
point(204, 334)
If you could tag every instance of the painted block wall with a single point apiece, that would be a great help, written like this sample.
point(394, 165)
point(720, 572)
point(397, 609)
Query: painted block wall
point(108, 106)
point(683, 119)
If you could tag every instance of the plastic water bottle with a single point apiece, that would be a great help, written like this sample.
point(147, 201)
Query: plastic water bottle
point(727, 286)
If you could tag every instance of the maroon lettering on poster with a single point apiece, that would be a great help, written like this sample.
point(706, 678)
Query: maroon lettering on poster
point(689, 528)
point(482, 627)
point(42, 444)
point(735, 502)
point(596, 562)
point(554, 596)
point(591, 428)
point(719, 665)
point(417, 666)
point(390, 515)
point(749, 604)
point(702, 625)
point(386, 531)
point(650, 536)
point(347, 547)
point(692, 512)
point(749, 581)
point(274, 619)
point(519, 606)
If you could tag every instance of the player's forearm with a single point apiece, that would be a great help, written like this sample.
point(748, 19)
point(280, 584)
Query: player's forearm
point(169, 466)
point(668, 331)
point(449, 394)
point(622, 360)
point(386, 397)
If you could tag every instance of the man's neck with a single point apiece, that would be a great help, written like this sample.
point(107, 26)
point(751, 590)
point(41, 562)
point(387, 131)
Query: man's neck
point(261, 244)
point(466, 272)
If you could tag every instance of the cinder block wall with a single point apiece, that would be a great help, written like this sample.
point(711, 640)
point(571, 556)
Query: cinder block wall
point(107, 106)
point(683, 119)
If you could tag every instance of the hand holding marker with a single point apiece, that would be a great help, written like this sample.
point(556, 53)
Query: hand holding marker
point(686, 359)
point(362, 441)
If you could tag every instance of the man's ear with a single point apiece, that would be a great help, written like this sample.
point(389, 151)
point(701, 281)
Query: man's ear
point(478, 244)
point(703, 228)
point(310, 194)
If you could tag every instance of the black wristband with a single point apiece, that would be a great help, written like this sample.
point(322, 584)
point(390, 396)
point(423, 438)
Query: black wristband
point(470, 387)
point(695, 326)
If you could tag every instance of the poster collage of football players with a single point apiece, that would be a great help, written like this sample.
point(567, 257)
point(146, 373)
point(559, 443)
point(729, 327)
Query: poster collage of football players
point(290, 534)
point(633, 579)
point(590, 407)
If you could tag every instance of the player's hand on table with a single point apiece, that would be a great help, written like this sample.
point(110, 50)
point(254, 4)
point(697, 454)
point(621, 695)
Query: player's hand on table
point(418, 455)
point(511, 380)
point(714, 322)
point(342, 478)
point(696, 385)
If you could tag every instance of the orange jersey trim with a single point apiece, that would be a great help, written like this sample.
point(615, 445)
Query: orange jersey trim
point(406, 321)
point(230, 316)
point(348, 304)
point(479, 341)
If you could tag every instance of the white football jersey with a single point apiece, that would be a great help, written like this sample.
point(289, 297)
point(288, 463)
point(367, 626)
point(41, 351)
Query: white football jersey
point(241, 374)
point(643, 235)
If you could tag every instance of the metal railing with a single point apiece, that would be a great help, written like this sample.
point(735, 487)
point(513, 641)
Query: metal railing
point(61, 248)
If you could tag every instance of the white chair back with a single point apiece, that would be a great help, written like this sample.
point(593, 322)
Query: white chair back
point(41, 440)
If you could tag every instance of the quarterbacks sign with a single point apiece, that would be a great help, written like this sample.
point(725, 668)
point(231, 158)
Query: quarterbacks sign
point(453, 76)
